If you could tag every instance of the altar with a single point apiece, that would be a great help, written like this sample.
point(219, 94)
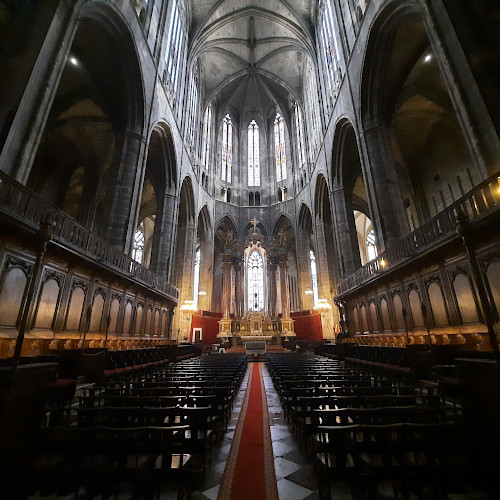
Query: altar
point(249, 294)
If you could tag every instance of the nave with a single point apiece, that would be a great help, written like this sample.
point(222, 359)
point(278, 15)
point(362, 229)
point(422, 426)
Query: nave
point(337, 430)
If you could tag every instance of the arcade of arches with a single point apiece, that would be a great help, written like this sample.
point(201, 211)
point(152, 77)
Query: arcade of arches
point(271, 169)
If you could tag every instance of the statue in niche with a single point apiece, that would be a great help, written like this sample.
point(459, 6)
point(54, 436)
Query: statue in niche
point(282, 239)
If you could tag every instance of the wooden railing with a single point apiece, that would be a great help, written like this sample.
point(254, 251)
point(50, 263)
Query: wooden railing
point(476, 204)
point(23, 204)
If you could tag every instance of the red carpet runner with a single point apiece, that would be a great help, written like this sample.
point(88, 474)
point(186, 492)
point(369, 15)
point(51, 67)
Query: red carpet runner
point(249, 472)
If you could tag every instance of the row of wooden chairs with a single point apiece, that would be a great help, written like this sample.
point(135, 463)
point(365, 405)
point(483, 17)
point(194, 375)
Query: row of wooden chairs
point(135, 438)
point(369, 429)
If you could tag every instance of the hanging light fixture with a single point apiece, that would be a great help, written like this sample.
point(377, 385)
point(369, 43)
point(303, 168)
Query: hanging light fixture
point(308, 290)
point(323, 305)
point(188, 306)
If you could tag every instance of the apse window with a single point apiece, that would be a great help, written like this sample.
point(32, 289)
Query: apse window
point(138, 250)
point(255, 270)
point(227, 148)
point(253, 154)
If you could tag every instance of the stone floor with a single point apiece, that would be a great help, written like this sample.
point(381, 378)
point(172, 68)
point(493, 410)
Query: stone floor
point(295, 476)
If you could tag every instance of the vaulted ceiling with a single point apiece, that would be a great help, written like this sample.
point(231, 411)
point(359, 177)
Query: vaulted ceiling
point(251, 53)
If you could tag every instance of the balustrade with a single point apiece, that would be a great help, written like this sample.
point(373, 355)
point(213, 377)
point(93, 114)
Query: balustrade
point(24, 205)
point(476, 204)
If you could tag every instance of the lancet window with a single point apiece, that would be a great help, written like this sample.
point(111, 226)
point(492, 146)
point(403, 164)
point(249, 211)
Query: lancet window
point(207, 124)
point(196, 277)
point(314, 277)
point(175, 47)
point(279, 148)
point(255, 289)
point(227, 148)
point(253, 154)
point(138, 249)
point(299, 134)
point(329, 47)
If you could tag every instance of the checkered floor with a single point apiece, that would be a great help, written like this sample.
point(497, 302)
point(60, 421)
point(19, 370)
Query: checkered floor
point(295, 476)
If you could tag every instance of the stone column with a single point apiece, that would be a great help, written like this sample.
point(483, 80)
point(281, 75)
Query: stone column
point(24, 136)
point(123, 182)
point(238, 290)
point(272, 289)
point(285, 299)
point(388, 201)
point(164, 235)
point(346, 236)
point(226, 286)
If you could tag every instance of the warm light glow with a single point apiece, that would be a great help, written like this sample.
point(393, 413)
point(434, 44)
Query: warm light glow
point(382, 263)
point(427, 58)
point(188, 306)
point(323, 305)
point(308, 290)
point(202, 292)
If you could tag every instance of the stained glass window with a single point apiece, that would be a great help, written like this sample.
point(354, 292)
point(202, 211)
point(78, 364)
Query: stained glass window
point(138, 249)
point(279, 148)
point(192, 110)
point(299, 133)
point(175, 45)
point(329, 46)
point(255, 282)
point(371, 247)
point(207, 122)
point(196, 277)
point(312, 114)
point(314, 277)
point(227, 148)
point(253, 154)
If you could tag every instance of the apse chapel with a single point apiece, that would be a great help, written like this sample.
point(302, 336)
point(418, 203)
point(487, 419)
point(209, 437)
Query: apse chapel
point(190, 174)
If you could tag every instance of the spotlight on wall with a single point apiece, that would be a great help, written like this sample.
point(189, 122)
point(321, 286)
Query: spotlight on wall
point(427, 58)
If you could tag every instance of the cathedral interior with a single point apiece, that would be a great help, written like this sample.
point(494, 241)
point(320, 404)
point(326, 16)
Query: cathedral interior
point(180, 177)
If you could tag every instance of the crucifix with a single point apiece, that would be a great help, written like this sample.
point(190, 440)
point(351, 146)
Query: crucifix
point(254, 221)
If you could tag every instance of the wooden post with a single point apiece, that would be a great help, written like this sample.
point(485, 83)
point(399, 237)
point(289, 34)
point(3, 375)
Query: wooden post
point(44, 236)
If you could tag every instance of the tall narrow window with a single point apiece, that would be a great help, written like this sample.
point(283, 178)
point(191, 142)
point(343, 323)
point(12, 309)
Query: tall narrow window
point(312, 114)
point(138, 249)
point(371, 247)
point(207, 124)
point(255, 282)
point(330, 47)
point(279, 148)
point(175, 46)
point(299, 134)
point(314, 277)
point(253, 154)
point(192, 110)
point(227, 148)
point(196, 277)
